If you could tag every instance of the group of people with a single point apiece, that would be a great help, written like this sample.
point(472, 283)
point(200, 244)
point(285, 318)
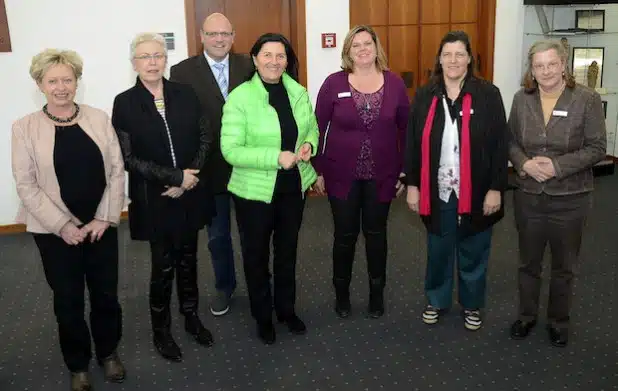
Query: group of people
point(232, 129)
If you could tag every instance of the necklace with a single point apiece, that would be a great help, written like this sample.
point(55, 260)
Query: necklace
point(61, 120)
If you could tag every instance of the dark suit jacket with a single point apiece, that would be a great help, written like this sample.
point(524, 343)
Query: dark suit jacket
point(488, 144)
point(574, 138)
point(196, 72)
point(148, 159)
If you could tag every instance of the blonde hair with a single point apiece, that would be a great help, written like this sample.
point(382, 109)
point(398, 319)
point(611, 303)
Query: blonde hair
point(347, 64)
point(147, 37)
point(528, 81)
point(50, 57)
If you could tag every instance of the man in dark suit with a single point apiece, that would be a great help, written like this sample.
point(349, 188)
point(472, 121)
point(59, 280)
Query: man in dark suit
point(213, 74)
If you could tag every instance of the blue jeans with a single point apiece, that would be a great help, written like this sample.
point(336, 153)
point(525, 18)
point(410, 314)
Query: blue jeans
point(449, 250)
point(220, 245)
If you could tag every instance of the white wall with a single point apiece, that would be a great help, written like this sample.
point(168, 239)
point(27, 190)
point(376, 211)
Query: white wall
point(323, 62)
point(102, 30)
point(507, 54)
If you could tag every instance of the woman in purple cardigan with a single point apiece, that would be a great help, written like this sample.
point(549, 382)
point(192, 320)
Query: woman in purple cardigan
point(362, 114)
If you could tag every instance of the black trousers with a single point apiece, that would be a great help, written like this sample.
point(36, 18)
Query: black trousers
point(174, 252)
point(68, 269)
point(361, 209)
point(559, 221)
point(259, 221)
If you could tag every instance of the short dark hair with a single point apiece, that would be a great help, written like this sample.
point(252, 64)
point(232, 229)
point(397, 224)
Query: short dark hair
point(292, 68)
point(452, 36)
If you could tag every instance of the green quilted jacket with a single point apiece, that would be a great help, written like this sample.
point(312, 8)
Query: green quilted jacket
point(251, 138)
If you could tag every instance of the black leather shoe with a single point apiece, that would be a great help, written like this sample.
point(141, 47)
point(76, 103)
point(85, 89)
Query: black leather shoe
point(558, 337)
point(166, 346)
point(194, 326)
point(295, 325)
point(113, 369)
point(521, 329)
point(80, 381)
point(266, 332)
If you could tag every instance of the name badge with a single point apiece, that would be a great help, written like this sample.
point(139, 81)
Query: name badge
point(560, 113)
point(344, 94)
point(461, 112)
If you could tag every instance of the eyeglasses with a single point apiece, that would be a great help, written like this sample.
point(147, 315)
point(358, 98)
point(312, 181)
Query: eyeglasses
point(222, 34)
point(552, 66)
point(146, 57)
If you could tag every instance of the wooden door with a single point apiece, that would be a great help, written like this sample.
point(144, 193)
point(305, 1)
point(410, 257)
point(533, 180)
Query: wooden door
point(252, 18)
point(411, 31)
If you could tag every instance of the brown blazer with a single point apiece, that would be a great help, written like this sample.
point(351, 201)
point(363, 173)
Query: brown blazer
point(574, 138)
point(32, 150)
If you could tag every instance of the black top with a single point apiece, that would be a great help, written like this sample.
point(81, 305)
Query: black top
point(288, 181)
point(80, 171)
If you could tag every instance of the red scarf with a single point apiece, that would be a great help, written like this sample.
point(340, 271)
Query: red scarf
point(465, 177)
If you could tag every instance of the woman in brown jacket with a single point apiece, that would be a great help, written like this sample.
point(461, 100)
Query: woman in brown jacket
point(558, 134)
point(69, 174)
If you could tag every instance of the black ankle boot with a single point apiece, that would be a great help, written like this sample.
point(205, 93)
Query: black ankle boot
point(376, 297)
point(166, 346)
point(266, 332)
point(194, 326)
point(343, 307)
point(294, 323)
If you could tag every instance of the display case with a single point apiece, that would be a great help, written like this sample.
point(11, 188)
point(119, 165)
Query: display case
point(590, 34)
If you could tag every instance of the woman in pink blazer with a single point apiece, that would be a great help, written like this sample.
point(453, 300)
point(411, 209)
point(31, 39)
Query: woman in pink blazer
point(69, 174)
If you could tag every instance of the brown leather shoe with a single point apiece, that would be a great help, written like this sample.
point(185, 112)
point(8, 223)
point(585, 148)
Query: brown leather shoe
point(80, 381)
point(113, 369)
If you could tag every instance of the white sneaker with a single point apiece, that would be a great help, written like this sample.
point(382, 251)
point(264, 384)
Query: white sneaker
point(472, 319)
point(431, 315)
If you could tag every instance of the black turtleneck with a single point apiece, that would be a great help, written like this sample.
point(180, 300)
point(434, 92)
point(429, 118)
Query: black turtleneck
point(288, 181)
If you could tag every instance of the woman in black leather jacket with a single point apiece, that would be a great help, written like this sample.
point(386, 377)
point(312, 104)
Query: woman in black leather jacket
point(165, 143)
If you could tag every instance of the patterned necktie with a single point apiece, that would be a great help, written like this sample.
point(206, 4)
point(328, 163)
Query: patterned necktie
point(221, 79)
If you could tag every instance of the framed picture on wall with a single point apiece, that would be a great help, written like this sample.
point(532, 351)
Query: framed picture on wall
point(590, 20)
point(605, 109)
point(587, 65)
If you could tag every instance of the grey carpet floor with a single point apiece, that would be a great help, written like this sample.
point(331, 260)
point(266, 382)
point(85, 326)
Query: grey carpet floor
point(396, 352)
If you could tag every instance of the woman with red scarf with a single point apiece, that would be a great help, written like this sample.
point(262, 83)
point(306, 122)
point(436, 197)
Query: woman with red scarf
point(456, 168)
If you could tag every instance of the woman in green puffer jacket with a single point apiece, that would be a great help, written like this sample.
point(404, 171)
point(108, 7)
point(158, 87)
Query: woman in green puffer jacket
point(269, 133)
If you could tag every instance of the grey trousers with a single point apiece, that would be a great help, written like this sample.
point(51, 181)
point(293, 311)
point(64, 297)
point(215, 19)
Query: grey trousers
point(559, 220)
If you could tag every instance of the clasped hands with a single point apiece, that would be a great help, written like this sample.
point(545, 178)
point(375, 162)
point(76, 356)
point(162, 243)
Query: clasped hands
point(189, 181)
point(287, 160)
point(541, 168)
point(72, 235)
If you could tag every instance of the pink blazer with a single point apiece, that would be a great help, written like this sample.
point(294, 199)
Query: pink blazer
point(32, 147)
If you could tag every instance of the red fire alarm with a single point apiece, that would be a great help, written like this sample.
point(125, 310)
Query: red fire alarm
point(329, 40)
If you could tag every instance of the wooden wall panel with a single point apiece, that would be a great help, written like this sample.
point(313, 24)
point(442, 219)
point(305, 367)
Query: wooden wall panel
point(403, 12)
point(252, 26)
point(371, 12)
point(487, 28)
point(435, 11)
point(5, 37)
point(403, 44)
point(464, 11)
point(382, 33)
point(431, 35)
